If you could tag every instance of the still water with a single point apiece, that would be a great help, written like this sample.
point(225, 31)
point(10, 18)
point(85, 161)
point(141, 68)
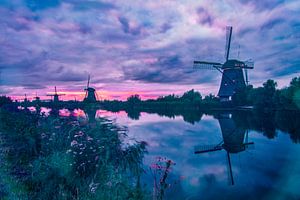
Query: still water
point(230, 169)
point(216, 156)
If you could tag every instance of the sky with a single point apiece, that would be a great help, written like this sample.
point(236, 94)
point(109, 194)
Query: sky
point(141, 47)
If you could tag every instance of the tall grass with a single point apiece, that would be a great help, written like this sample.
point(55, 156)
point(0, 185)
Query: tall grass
point(58, 158)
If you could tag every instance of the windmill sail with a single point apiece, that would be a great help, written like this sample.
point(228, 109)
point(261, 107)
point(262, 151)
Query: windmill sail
point(207, 148)
point(87, 87)
point(228, 41)
point(206, 65)
point(230, 174)
point(88, 83)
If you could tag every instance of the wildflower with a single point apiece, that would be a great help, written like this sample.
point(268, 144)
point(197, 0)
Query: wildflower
point(73, 143)
point(79, 134)
point(93, 186)
point(69, 150)
point(89, 138)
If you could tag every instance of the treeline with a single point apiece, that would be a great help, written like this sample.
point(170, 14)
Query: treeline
point(189, 101)
point(268, 97)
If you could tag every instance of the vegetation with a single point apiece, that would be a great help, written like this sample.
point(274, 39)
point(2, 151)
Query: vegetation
point(59, 158)
point(5, 100)
point(268, 97)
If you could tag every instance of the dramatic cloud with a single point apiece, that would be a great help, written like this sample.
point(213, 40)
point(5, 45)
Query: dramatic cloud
point(141, 47)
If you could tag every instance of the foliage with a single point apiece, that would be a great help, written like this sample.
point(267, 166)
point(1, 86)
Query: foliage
point(5, 100)
point(160, 171)
point(268, 97)
point(192, 96)
point(57, 158)
point(134, 99)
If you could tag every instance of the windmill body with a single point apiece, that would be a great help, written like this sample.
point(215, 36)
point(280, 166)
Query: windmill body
point(232, 72)
point(55, 95)
point(235, 140)
point(233, 136)
point(90, 95)
point(232, 79)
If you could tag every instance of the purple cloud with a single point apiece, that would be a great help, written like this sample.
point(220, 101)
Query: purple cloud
point(59, 42)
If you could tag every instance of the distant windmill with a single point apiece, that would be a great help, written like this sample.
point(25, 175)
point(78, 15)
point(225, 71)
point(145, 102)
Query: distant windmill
point(90, 93)
point(25, 99)
point(235, 140)
point(37, 98)
point(55, 95)
point(231, 70)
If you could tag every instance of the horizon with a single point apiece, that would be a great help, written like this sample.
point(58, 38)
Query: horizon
point(144, 48)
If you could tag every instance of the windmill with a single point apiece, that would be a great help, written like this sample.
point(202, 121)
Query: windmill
point(90, 93)
point(37, 98)
point(231, 70)
point(235, 140)
point(25, 99)
point(55, 95)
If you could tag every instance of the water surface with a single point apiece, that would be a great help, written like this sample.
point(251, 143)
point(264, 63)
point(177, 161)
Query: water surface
point(222, 155)
point(266, 169)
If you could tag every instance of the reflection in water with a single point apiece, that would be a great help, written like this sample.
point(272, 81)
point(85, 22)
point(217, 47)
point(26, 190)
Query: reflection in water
point(235, 140)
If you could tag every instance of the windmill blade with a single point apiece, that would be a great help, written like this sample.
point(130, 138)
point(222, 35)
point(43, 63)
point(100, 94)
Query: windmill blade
point(206, 65)
point(246, 76)
point(86, 93)
point(88, 83)
point(248, 144)
point(97, 97)
point(207, 148)
point(228, 41)
point(230, 174)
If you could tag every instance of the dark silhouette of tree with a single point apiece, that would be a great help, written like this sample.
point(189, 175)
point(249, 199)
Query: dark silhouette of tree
point(192, 96)
point(242, 96)
point(5, 100)
point(134, 99)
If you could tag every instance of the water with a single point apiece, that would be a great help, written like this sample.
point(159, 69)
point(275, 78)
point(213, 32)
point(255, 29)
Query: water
point(239, 155)
point(267, 169)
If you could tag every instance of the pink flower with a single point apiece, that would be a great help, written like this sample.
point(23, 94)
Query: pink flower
point(73, 143)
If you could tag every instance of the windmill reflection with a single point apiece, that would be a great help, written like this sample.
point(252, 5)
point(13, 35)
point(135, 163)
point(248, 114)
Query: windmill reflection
point(235, 140)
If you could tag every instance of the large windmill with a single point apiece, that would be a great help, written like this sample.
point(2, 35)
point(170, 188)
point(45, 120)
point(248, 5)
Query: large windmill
point(235, 140)
point(55, 95)
point(231, 70)
point(90, 93)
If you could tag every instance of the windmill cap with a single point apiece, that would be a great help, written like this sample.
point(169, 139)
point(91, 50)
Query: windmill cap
point(233, 64)
point(90, 89)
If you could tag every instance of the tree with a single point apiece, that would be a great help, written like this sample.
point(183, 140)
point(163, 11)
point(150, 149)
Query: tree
point(242, 96)
point(192, 96)
point(265, 97)
point(5, 100)
point(133, 99)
